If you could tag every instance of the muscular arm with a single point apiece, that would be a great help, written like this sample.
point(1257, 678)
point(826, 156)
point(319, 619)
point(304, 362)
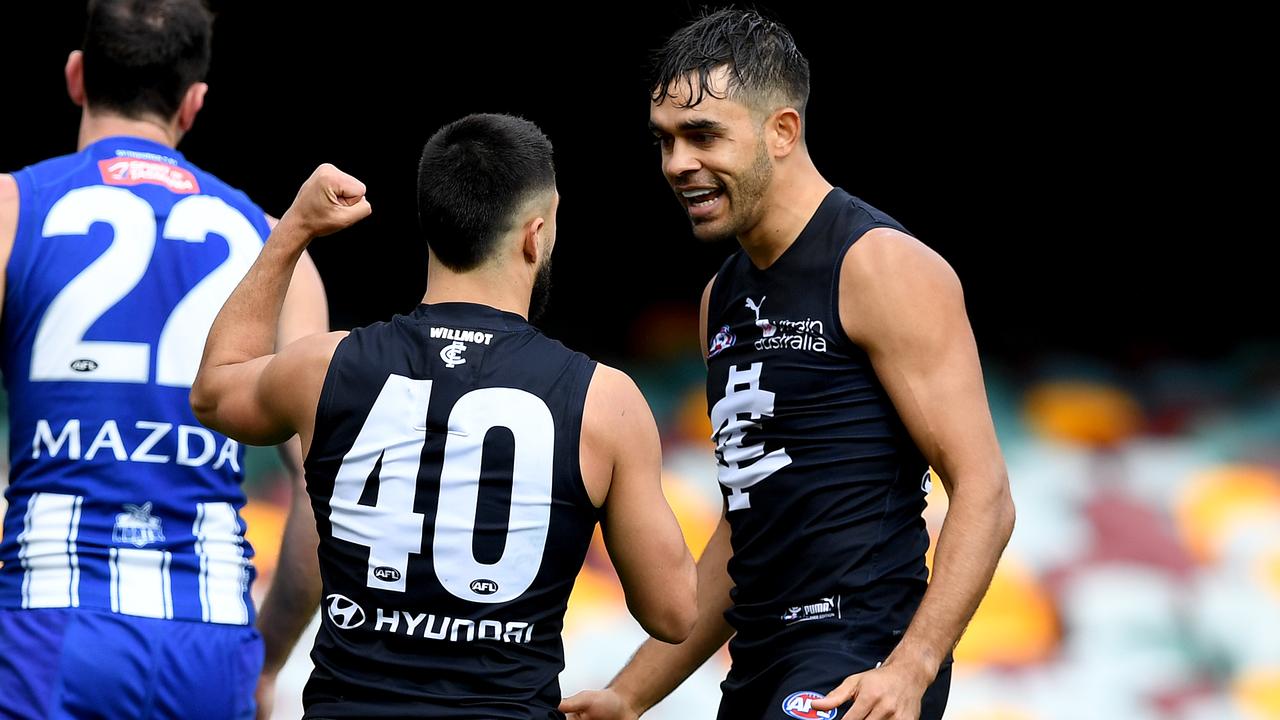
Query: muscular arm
point(294, 593)
point(8, 226)
point(640, 531)
point(242, 388)
point(658, 668)
point(903, 304)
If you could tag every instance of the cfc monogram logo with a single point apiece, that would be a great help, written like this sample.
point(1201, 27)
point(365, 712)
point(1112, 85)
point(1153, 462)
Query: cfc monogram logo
point(741, 465)
point(452, 354)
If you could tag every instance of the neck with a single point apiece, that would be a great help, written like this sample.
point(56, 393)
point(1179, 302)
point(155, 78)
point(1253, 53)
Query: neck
point(96, 126)
point(794, 196)
point(487, 285)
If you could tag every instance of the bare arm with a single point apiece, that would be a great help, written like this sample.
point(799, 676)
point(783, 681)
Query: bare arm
point(242, 389)
point(658, 668)
point(8, 226)
point(640, 530)
point(294, 593)
point(903, 304)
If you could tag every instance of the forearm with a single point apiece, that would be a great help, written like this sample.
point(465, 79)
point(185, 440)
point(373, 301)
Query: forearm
point(295, 590)
point(246, 326)
point(977, 527)
point(658, 668)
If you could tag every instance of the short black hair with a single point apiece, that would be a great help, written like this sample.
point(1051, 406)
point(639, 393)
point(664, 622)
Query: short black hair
point(765, 66)
point(141, 56)
point(475, 174)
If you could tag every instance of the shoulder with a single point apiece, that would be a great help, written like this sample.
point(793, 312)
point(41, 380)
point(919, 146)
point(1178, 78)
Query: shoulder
point(885, 257)
point(887, 276)
point(8, 195)
point(615, 407)
point(8, 216)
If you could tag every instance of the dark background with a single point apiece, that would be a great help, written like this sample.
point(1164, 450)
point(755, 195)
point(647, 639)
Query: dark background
point(1088, 177)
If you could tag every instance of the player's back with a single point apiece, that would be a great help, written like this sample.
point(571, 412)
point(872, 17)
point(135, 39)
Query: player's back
point(444, 472)
point(119, 499)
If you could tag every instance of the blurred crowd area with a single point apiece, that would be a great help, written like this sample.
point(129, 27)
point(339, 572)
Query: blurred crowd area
point(1142, 581)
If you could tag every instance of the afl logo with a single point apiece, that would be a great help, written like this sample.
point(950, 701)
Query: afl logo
point(452, 354)
point(386, 574)
point(723, 340)
point(484, 587)
point(799, 705)
point(84, 365)
point(344, 612)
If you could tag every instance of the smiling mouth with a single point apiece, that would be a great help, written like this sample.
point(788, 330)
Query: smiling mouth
point(701, 197)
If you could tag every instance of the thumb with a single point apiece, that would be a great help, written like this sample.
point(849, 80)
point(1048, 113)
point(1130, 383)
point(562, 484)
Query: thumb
point(576, 703)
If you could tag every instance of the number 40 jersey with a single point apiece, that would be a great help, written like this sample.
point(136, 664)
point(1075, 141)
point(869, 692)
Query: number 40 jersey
point(119, 500)
point(444, 473)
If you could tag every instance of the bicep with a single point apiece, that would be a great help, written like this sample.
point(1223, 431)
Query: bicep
point(266, 400)
point(639, 527)
point(904, 305)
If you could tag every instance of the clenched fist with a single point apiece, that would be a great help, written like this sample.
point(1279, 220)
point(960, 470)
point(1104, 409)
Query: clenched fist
point(327, 202)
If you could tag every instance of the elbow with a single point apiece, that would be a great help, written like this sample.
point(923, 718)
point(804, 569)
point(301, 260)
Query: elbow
point(203, 404)
point(674, 620)
point(1006, 513)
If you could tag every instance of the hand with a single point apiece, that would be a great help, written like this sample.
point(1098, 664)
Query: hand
point(265, 695)
point(889, 692)
point(604, 704)
point(327, 202)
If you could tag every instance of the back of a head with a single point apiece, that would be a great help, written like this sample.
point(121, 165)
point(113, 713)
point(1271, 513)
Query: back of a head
point(766, 69)
point(475, 176)
point(141, 56)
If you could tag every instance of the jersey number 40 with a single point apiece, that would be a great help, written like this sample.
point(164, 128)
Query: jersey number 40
point(395, 431)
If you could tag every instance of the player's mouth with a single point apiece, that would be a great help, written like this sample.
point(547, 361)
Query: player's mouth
point(702, 202)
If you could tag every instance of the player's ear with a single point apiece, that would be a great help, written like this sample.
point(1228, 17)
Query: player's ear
point(532, 246)
point(783, 131)
point(191, 104)
point(74, 72)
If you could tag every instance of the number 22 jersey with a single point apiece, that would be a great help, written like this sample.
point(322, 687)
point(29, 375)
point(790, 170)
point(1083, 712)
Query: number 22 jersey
point(118, 499)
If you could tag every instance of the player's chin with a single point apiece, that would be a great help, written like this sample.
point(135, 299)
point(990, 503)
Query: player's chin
point(712, 229)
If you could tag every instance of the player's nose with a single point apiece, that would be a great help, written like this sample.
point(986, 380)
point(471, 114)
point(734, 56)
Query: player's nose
point(680, 161)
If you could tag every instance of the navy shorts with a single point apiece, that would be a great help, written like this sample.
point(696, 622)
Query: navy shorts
point(83, 663)
point(782, 687)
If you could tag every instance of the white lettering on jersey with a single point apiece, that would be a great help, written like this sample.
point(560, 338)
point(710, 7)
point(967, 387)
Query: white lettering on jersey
point(109, 438)
point(743, 397)
point(158, 430)
point(434, 627)
point(466, 336)
point(70, 436)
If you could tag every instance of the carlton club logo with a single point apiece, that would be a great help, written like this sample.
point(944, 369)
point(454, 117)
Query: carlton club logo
point(452, 354)
point(344, 612)
point(800, 705)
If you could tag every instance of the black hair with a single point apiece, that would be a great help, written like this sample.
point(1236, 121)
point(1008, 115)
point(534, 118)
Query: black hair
point(475, 174)
point(141, 56)
point(765, 67)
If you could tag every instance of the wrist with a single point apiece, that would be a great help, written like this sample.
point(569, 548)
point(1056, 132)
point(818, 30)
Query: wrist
point(920, 662)
point(629, 695)
point(291, 233)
